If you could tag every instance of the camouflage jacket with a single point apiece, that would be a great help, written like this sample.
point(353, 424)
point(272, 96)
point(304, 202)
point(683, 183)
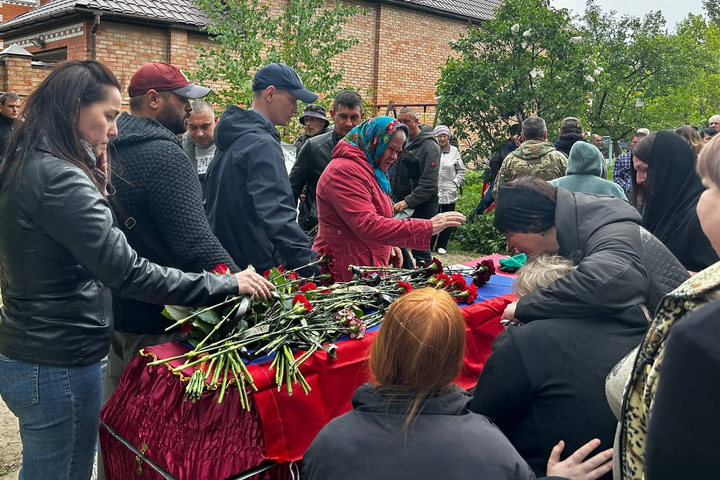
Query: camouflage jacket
point(532, 158)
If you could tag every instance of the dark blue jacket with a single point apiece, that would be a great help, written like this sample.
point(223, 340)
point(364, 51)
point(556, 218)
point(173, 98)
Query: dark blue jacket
point(249, 202)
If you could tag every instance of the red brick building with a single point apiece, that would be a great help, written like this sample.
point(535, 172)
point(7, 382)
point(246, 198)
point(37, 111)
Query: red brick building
point(401, 42)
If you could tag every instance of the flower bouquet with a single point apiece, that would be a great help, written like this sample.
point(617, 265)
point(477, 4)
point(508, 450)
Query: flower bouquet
point(303, 315)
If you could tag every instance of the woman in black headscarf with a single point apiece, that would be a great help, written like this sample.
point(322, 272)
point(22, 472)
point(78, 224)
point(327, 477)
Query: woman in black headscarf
point(666, 190)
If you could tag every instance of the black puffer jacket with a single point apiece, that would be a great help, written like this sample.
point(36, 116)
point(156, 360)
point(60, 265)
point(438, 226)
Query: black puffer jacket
point(314, 157)
point(59, 250)
point(620, 264)
point(447, 441)
point(249, 200)
point(565, 142)
point(416, 179)
point(545, 382)
point(158, 186)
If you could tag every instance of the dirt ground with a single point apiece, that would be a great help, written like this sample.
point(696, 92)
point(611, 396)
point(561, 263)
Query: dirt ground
point(11, 448)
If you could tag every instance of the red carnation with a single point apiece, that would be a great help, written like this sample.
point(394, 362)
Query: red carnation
point(458, 281)
point(434, 267)
point(440, 280)
point(404, 287)
point(483, 271)
point(302, 301)
point(186, 327)
point(221, 269)
point(308, 286)
point(292, 276)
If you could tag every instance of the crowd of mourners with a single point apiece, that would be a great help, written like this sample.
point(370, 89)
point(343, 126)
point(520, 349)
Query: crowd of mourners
point(608, 367)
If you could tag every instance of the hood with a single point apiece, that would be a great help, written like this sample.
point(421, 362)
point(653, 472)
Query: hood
point(565, 142)
point(236, 122)
point(426, 134)
point(578, 216)
point(134, 130)
point(369, 398)
point(533, 149)
point(585, 159)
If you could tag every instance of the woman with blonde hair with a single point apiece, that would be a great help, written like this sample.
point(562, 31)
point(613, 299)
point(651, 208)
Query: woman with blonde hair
point(412, 422)
point(692, 137)
point(545, 381)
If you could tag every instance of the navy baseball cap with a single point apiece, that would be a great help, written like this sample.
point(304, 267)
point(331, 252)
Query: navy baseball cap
point(282, 77)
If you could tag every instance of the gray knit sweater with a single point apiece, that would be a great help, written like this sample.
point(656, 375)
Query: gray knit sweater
point(158, 186)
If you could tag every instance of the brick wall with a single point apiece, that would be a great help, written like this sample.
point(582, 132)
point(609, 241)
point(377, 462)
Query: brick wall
point(11, 10)
point(397, 57)
point(19, 76)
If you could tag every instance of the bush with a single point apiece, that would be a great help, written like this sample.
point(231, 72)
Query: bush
point(478, 235)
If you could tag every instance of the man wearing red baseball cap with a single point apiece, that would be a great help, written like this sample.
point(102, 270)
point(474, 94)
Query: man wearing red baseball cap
point(158, 203)
point(248, 197)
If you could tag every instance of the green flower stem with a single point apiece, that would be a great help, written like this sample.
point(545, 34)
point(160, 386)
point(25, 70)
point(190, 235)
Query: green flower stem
point(241, 388)
point(207, 309)
point(224, 383)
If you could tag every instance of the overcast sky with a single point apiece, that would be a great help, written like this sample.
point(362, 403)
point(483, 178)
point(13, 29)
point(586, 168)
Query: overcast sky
point(673, 10)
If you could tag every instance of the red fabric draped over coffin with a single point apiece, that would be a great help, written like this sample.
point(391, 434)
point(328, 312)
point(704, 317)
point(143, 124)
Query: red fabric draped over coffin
point(208, 441)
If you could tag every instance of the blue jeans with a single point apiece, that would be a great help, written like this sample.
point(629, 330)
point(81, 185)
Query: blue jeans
point(58, 409)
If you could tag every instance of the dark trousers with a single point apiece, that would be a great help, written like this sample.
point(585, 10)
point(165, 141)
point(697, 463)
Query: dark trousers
point(443, 237)
point(425, 210)
point(486, 201)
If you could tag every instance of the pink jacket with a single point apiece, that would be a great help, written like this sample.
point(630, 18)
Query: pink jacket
point(356, 218)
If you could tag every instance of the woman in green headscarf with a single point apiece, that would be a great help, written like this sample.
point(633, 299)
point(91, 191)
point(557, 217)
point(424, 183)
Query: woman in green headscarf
point(355, 213)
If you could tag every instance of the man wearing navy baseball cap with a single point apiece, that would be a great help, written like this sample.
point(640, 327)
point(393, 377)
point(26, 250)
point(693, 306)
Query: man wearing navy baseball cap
point(249, 202)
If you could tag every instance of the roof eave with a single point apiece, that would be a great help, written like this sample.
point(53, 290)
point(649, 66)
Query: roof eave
point(29, 25)
point(434, 11)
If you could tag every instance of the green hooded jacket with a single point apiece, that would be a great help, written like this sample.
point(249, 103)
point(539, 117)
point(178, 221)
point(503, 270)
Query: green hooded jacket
point(584, 173)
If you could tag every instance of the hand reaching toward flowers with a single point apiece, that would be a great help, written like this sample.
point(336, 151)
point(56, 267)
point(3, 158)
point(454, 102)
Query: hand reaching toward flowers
point(396, 257)
point(441, 221)
point(575, 467)
point(251, 283)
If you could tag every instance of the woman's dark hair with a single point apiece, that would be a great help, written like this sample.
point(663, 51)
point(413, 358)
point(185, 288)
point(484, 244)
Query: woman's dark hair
point(526, 205)
point(52, 112)
point(642, 150)
point(709, 131)
point(672, 186)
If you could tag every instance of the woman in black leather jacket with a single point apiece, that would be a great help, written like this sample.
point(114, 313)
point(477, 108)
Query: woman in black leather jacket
point(59, 255)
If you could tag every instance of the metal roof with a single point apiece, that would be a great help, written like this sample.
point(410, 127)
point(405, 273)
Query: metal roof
point(186, 12)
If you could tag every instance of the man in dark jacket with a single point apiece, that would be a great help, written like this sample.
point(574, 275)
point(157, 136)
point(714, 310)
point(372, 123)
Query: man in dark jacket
point(9, 113)
point(314, 121)
point(619, 264)
point(570, 132)
point(249, 200)
point(415, 183)
point(316, 154)
point(157, 203)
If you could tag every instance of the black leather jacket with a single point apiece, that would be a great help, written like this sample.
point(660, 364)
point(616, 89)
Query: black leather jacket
point(59, 253)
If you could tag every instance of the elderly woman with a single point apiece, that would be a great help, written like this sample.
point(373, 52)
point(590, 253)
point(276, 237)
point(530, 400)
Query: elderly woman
point(355, 213)
point(669, 423)
point(663, 165)
point(450, 177)
point(412, 422)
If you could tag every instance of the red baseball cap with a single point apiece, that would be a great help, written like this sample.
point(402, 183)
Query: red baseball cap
point(163, 77)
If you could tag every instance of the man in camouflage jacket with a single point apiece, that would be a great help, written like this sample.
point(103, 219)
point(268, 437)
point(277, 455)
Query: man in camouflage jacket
point(535, 157)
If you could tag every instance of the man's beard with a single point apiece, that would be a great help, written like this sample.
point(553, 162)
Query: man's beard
point(170, 119)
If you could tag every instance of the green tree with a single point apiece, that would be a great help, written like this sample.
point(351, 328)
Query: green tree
point(695, 101)
point(528, 60)
point(641, 62)
point(712, 7)
point(306, 35)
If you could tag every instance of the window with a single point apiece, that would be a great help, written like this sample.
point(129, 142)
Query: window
point(55, 55)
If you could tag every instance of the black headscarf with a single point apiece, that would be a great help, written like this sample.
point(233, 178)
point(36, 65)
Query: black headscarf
point(672, 186)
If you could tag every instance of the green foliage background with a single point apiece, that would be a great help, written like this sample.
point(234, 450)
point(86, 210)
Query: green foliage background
point(479, 234)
